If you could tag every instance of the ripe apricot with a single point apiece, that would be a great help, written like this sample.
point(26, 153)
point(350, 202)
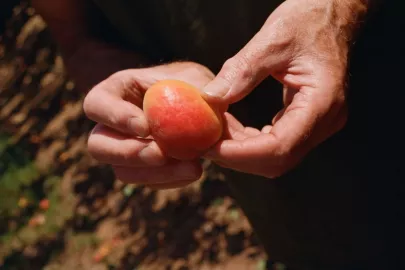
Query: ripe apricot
point(182, 123)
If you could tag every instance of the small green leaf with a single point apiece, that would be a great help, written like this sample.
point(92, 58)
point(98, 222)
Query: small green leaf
point(234, 214)
point(261, 265)
point(218, 202)
point(128, 190)
point(279, 266)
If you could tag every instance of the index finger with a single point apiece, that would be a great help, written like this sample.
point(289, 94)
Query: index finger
point(291, 130)
point(116, 103)
point(286, 142)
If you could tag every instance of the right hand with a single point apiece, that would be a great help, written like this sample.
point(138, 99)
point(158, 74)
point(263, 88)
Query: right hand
point(121, 137)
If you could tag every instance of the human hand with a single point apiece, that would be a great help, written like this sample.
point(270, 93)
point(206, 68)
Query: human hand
point(121, 137)
point(304, 45)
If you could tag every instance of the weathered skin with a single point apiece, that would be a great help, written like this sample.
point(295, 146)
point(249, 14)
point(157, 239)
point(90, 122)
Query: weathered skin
point(183, 124)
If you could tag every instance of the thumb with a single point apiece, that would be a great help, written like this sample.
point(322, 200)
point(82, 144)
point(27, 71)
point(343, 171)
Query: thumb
point(241, 73)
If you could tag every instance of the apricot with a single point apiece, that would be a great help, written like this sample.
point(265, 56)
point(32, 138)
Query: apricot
point(182, 123)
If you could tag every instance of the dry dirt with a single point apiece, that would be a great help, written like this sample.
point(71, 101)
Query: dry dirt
point(109, 225)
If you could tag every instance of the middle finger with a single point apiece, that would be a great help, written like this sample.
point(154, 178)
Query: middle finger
point(111, 147)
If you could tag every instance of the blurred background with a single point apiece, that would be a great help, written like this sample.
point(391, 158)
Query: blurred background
point(59, 209)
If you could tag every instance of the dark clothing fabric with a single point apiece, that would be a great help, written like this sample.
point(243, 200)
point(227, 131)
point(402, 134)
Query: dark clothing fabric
point(342, 207)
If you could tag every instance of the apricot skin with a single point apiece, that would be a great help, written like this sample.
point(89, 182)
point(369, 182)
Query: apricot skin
point(182, 123)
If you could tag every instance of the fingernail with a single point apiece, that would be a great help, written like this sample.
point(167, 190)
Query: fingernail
point(266, 129)
point(215, 90)
point(152, 155)
point(212, 95)
point(138, 126)
point(187, 171)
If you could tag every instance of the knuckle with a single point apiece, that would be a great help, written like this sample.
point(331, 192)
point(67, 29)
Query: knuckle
point(237, 67)
point(93, 148)
point(152, 155)
point(281, 163)
point(123, 82)
point(97, 150)
point(117, 83)
point(129, 156)
point(89, 103)
point(117, 120)
point(244, 67)
point(227, 73)
point(118, 76)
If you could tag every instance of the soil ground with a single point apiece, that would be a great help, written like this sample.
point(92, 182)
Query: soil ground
point(62, 210)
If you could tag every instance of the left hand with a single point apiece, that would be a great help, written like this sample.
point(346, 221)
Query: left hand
point(304, 45)
point(122, 136)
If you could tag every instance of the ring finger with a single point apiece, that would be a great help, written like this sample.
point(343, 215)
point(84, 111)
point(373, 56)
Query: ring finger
point(170, 173)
